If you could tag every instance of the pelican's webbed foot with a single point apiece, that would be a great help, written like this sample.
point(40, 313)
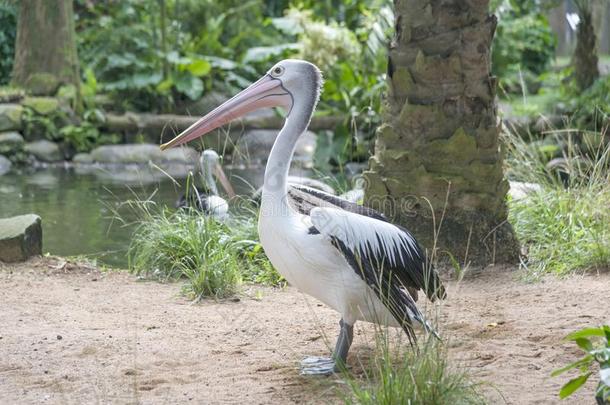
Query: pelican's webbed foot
point(327, 365)
point(314, 365)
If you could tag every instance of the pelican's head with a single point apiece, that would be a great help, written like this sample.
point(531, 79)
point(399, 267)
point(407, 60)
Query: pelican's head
point(209, 164)
point(290, 84)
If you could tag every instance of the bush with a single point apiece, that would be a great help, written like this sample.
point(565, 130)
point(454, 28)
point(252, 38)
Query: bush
point(214, 257)
point(591, 108)
point(524, 45)
point(565, 226)
point(8, 28)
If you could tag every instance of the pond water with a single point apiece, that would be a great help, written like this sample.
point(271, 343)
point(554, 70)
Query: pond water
point(78, 206)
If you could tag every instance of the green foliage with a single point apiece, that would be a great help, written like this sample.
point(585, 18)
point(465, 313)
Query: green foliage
point(8, 28)
point(86, 136)
point(37, 125)
point(423, 377)
point(83, 135)
point(524, 45)
point(591, 108)
point(565, 229)
point(595, 342)
point(122, 43)
point(215, 46)
point(215, 257)
point(353, 61)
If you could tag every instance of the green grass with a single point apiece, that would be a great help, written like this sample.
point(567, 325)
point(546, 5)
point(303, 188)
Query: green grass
point(565, 230)
point(214, 257)
point(409, 377)
point(564, 227)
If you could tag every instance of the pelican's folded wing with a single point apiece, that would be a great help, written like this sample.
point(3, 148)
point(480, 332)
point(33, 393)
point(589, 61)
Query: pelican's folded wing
point(411, 266)
point(386, 256)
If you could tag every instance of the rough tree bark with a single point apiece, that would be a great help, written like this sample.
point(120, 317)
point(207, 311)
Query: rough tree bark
point(439, 141)
point(45, 51)
point(585, 59)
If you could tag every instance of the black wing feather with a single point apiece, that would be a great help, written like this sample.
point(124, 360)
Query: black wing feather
point(385, 287)
point(413, 268)
point(305, 205)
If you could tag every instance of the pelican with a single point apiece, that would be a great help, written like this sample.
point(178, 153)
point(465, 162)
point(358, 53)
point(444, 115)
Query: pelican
point(348, 256)
point(206, 198)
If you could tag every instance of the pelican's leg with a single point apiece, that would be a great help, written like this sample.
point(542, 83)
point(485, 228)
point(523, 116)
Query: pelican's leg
point(327, 365)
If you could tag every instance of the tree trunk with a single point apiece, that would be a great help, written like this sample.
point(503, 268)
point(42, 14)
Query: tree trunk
point(439, 143)
point(585, 56)
point(45, 51)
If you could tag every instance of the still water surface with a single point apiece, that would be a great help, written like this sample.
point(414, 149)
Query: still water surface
point(78, 207)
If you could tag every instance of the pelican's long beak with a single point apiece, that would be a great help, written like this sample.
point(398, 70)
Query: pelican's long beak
point(266, 92)
point(224, 181)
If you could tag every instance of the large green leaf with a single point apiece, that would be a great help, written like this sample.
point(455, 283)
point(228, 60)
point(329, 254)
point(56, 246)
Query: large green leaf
point(199, 67)
point(189, 85)
point(141, 80)
point(582, 362)
point(260, 53)
point(584, 344)
point(584, 333)
point(574, 384)
point(221, 63)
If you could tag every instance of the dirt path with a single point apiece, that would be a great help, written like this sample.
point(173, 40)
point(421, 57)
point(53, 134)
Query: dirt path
point(73, 335)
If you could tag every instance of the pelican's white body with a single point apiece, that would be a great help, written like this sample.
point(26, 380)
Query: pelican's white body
point(313, 265)
point(217, 206)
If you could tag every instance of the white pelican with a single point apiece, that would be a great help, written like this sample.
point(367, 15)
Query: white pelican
point(206, 198)
point(349, 257)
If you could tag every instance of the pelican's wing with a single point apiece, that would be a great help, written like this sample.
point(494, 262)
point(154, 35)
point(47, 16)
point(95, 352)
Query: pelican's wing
point(303, 199)
point(416, 274)
point(387, 258)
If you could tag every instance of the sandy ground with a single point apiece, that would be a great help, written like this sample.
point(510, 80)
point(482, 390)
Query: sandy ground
point(70, 334)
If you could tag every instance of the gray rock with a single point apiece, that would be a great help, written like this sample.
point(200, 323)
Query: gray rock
point(142, 153)
point(131, 153)
point(255, 145)
point(45, 151)
point(20, 238)
point(184, 155)
point(84, 158)
point(10, 117)
point(5, 165)
point(10, 142)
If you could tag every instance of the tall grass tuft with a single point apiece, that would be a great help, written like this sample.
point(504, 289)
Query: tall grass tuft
point(215, 257)
point(565, 225)
point(412, 377)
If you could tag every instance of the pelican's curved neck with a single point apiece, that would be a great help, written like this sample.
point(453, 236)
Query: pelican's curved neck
point(209, 183)
point(278, 164)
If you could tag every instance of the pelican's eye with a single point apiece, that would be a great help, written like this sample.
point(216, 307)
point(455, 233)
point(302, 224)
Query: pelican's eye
point(277, 71)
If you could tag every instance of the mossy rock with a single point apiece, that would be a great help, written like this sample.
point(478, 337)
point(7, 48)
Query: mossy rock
point(42, 84)
point(42, 105)
point(10, 142)
point(10, 117)
point(11, 94)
